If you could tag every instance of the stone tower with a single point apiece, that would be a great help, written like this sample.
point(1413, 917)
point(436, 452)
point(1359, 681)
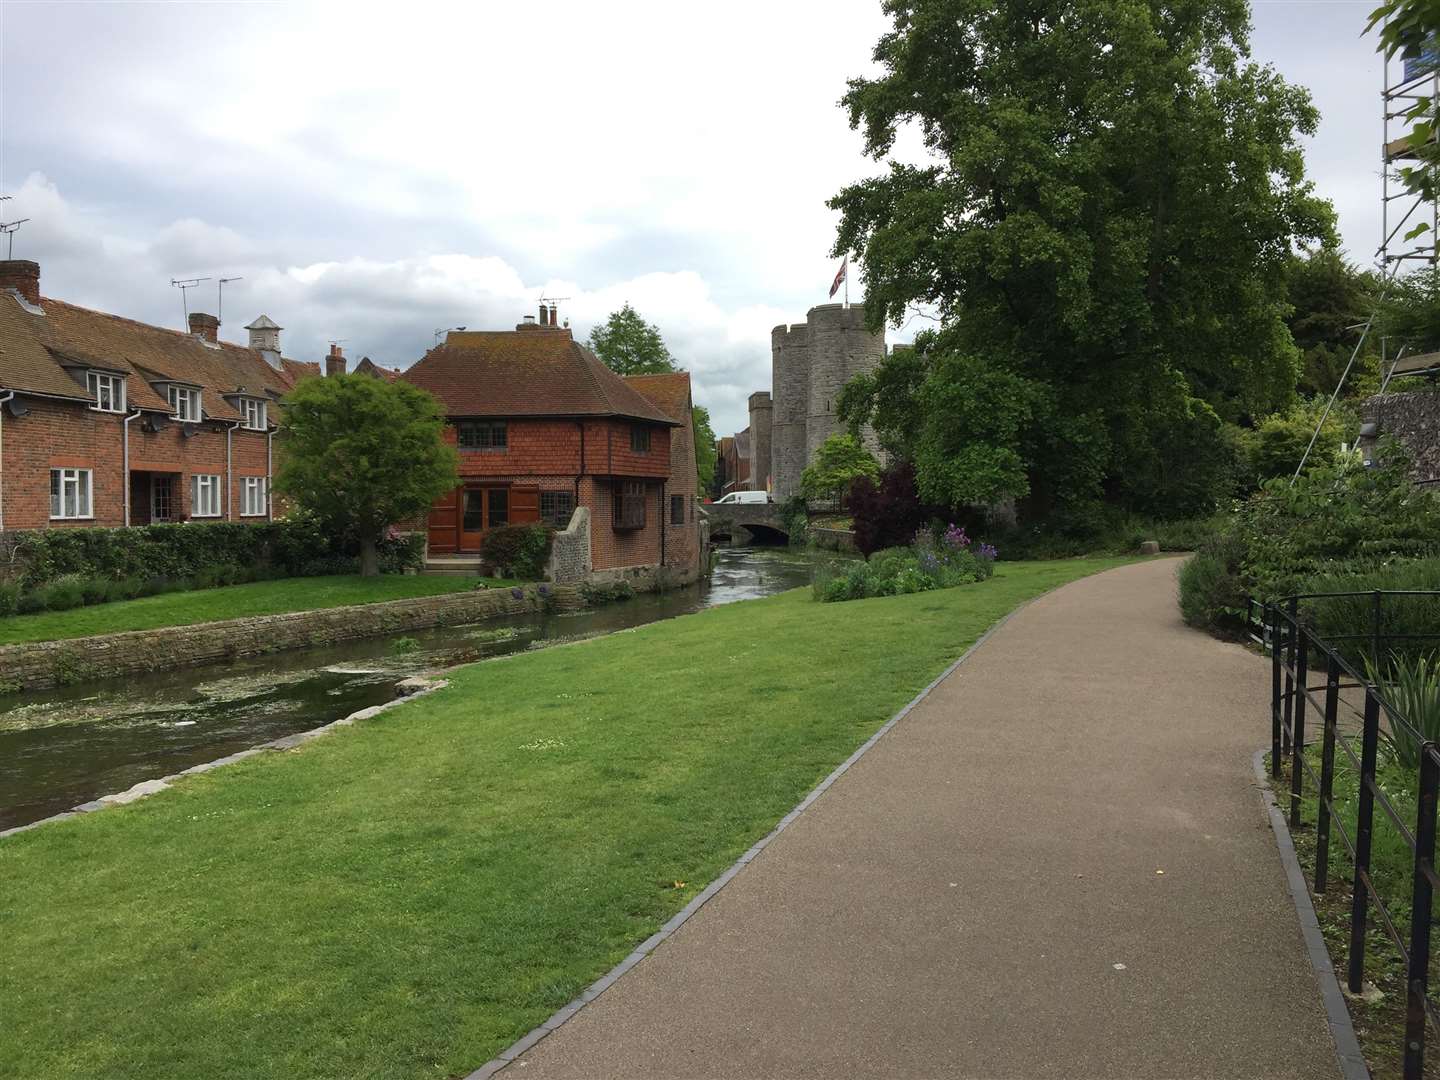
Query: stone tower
point(811, 362)
point(762, 422)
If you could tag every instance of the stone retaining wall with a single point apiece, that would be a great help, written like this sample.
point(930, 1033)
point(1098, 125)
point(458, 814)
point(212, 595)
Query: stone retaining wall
point(833, 540)
point(44, 664)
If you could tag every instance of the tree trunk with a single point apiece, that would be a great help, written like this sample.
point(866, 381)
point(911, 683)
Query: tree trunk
point(369, 557)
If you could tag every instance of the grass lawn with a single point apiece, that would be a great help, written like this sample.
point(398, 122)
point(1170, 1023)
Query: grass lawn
point(407, 897)
point(230, 602)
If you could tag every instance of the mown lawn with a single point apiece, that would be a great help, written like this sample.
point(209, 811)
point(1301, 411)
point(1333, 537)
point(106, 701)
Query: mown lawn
point(405, 898)
point(230, 602)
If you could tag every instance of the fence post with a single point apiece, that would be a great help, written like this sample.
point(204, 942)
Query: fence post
point(1327, 774)
point(1275, 750)
point(1364, 819)
point(1292, 631)
point(1297, 736)
point(1417, 978)
point(1375, 629)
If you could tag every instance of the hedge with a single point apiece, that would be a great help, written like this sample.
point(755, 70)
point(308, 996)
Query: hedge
point(296, 547)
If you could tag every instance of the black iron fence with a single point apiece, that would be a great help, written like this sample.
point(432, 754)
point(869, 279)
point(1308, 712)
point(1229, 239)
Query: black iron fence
point(1311, 677)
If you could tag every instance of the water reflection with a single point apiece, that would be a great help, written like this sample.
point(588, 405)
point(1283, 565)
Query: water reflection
point(64, 747)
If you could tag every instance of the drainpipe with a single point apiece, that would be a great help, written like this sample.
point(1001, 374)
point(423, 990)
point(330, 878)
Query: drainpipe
point(229, 480)
point(269, 471)
point(125, 466)
point(4, 397)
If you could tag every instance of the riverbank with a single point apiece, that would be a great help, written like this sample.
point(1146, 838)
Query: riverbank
point(407, 897)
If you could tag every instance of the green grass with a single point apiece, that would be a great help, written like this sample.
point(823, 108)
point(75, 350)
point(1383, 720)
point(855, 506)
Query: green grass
point(230, 602)
point(406, 897)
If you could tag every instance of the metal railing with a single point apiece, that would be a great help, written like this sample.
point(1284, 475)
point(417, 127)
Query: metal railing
point(1297, 654)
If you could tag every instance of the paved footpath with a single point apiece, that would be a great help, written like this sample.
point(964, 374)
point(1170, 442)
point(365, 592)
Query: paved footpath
point(959, 903)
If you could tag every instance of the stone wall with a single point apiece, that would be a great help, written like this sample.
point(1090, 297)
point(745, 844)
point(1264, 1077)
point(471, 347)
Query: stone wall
point(1413, 418)
point(570, 552)
point(833, 540)
point(762, 423)
point(50, 663)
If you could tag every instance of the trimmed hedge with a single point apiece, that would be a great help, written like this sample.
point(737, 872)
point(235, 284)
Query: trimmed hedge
point(205, 553)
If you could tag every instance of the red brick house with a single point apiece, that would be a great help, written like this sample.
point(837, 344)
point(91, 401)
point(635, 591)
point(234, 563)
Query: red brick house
point(107, 421)
point(544, 428)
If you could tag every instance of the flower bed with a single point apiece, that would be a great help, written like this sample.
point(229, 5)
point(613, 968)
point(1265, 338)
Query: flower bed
point(932, 561)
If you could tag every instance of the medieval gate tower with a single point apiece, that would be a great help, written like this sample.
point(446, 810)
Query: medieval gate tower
point(810, 363)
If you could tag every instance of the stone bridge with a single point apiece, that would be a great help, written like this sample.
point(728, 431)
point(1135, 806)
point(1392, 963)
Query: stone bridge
point(741, 524)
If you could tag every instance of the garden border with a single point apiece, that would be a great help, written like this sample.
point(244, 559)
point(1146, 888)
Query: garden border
point(527, 1042)
point(1337, 1013)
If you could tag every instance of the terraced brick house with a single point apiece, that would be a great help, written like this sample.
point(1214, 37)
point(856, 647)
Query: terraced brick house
point(543, 428)
point(108, 421)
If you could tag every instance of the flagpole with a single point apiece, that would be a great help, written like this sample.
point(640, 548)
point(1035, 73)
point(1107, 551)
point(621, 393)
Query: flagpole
point(847, 281)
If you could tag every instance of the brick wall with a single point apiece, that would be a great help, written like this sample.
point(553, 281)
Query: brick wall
point(682, 542)
point(634, 547)
point(57, 435)
point(45, 664)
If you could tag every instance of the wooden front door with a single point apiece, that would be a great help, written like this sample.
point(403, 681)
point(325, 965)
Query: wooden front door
point(460, 519)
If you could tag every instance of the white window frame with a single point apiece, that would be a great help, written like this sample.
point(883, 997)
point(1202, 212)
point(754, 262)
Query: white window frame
point(185, 405)
point(82, 481)
point(253, 501)
point(114, 387)
point(204, 490)
point(256, 414)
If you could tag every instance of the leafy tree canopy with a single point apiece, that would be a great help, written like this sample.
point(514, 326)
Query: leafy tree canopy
point(1328, 297)
point(362, 454)
point(704, 446)
point(839, 462)
point(1104, 225)
point(628, 345)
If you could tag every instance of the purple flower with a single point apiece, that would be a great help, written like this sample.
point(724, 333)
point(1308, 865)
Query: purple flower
point(987, 551)
point(955, 537)
point(544, 590)
point(518, 594)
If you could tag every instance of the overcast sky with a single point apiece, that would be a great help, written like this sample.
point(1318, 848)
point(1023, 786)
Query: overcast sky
point(374, 173)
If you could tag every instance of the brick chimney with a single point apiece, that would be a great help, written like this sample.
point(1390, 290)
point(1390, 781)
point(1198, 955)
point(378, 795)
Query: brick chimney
point(335, 362)
point(554, 311)
point(544, 315)
point(205, 327)
point(23, 276)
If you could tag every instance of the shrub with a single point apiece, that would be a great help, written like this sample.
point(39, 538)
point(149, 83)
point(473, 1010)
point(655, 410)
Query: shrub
point(1407, 626)
point(598, 594)
point(9, 597)
point(65, 593)
point(933, 562)
point(1412, 685)
point(519, 550)
point(888, 514)
point(1211, 594)
point(404, 646)
point(1275, 446)
point(94, 590)
point(28, 603)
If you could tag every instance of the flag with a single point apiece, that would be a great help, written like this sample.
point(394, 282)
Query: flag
point(839, 276)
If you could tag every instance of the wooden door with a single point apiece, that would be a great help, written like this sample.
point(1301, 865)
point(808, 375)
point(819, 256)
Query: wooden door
point(444, 522)
point(473, 520)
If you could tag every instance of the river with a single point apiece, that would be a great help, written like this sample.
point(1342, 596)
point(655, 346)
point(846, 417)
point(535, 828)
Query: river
point(60, 748)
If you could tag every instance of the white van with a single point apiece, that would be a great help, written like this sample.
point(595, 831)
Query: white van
point(743, 497)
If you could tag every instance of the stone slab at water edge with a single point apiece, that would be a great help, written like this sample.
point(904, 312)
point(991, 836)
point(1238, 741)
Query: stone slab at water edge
point(39, 665)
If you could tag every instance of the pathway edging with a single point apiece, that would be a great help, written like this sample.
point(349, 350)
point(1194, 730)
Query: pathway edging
point(1337, 1013)
point(527, 1042)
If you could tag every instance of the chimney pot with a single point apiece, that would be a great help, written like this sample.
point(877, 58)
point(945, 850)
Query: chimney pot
point(335, 362)
point(544, 314)
point(205, 327)
point(554, 311)
point(23, 276)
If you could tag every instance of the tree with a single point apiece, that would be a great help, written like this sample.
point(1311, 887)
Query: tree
point(839, 462)
point(1110, 204)
point(362, 454)
point(704, 446)
point(1328, 296)
point(628, 345)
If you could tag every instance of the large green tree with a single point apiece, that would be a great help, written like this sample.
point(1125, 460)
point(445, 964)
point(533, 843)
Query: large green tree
point(704, 446)
point(840, 461)
point(363, 454)
point(1329, 299)
point(628, 345)
point(1108, 205)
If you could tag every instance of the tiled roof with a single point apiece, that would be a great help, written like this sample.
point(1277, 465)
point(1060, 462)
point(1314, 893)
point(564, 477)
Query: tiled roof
point(369, 367)
point(36, 349)
point(526, 373)
point(671, 391)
